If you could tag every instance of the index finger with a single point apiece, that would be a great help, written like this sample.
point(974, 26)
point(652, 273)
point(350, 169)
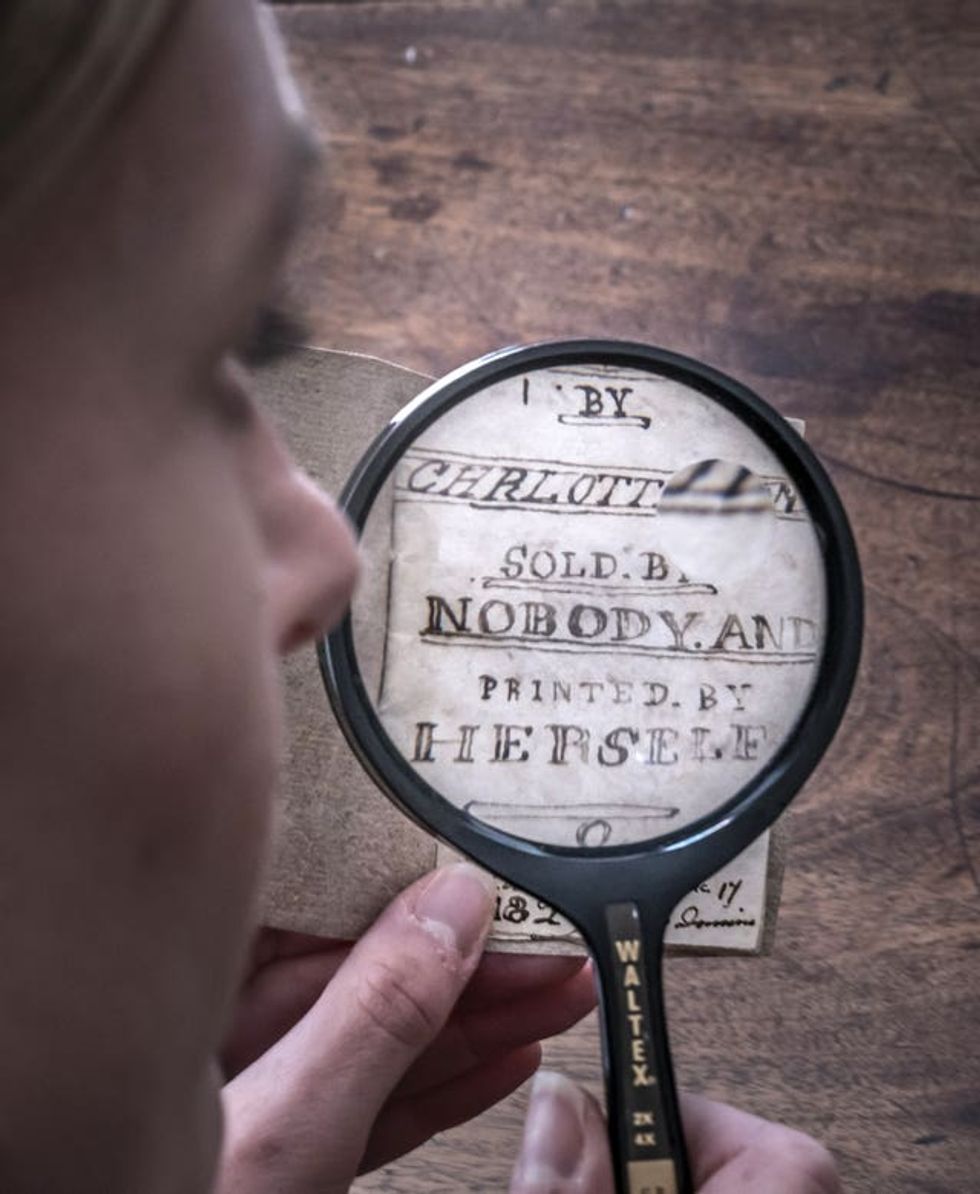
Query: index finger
point(504, 976)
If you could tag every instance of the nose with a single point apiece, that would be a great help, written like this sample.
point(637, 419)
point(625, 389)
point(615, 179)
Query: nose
point(312, 554)
point(320, 572)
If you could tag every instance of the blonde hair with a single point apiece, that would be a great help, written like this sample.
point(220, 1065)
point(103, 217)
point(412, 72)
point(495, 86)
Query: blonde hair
point(64, 67)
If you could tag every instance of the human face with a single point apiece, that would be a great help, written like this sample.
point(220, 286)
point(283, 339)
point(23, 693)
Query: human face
point(160, 551)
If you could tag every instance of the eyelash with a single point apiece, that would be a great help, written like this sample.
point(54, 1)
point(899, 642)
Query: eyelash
point(276, 332)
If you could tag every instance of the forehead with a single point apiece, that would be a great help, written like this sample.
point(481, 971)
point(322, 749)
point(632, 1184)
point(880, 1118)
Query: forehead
point(289, 94)
point(209, 158)
point(244, 125)
point(162, 234)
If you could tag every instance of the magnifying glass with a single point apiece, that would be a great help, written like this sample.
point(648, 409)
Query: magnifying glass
point(610, 620)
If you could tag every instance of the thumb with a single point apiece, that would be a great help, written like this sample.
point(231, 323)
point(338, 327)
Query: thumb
point(299, 1118)
point(565, 1149)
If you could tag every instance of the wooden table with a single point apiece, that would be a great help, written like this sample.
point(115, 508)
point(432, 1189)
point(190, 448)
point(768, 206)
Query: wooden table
point(790, 191)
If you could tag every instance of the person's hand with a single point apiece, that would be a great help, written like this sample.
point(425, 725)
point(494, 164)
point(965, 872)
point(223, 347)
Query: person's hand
point(565, 1148)
point(343, 1057)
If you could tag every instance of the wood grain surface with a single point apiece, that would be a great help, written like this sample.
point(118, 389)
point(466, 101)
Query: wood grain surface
point(791, 192)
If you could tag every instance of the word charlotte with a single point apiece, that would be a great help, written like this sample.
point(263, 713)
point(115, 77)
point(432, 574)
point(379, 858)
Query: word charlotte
point(492, 482)
point(527, 484)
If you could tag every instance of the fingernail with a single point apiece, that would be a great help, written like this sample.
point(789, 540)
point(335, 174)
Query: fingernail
point(456, 905)
point(554, 1132)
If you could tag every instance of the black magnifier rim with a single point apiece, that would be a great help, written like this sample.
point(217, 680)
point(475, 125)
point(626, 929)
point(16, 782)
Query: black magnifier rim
point(756, 805)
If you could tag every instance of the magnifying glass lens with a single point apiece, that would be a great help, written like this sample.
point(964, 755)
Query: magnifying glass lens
point(594, 604)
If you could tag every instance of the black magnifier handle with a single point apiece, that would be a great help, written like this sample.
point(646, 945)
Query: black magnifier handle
point(649, 1156)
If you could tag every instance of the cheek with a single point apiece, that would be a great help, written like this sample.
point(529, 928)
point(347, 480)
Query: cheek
point(208, 727)
point(139, 737)
point(148, 704)
point(204, 708)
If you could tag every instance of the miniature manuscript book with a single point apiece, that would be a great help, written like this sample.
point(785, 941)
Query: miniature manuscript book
point(341, 848)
